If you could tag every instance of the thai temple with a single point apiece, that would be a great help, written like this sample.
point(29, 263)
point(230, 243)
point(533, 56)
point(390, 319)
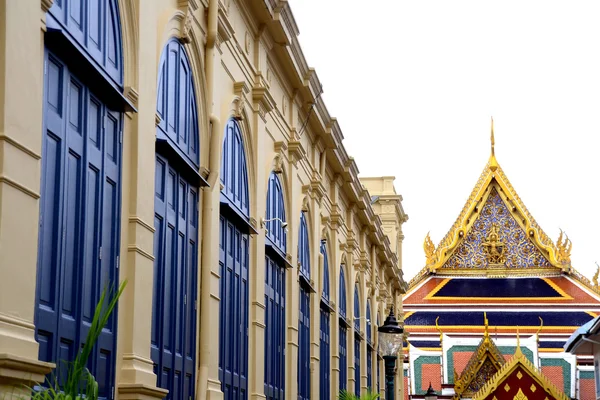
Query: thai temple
point(488, 315)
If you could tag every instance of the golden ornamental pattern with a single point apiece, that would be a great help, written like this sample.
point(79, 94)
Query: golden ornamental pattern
point(520, 252)
point(520, 395)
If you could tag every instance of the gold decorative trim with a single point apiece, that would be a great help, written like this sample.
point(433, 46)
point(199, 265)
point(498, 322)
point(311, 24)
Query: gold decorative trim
point(20, 146)
point(19, 187)
point(136, 249)
point(486, 349)
point(137, 220)
point(558, 254)
point(12, 320)
point(519, 359)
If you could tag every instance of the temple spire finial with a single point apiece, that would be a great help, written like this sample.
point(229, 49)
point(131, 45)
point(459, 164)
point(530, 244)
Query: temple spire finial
point(493, 162)
point(492, 138)
point(485, 325)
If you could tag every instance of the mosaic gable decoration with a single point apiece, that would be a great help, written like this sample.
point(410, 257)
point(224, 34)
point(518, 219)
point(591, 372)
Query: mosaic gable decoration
point(519, 379)
point(496, 239)
point(496, 262)
point(482, 366)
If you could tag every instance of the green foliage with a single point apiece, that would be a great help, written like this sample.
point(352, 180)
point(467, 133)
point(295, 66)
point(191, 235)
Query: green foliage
point(346, 395)
point(80, 383)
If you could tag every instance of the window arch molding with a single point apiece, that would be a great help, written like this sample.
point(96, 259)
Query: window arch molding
point(171, 28)
point(283, 248)
point(247, 140)
point(326, 279)
point(178, 133)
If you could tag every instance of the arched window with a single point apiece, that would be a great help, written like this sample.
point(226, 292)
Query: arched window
point(343, 333)
point(324, 346)
point(370, 349)
point(357, 340)
point(94, 28)
point(234, 170)
point(79, 234)
point(173, 335)
point(177, 133)
point(234, 263)
point(304, 315)
point(275, 216)
point(275, 264)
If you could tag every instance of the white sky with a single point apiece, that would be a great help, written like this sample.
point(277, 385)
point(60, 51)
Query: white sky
point(414, 83)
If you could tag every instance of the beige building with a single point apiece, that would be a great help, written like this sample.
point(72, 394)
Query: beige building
point(182, 145)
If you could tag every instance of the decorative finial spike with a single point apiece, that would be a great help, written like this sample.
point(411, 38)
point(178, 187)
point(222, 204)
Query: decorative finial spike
point(493, 142)
point(493, 163)
point(485, 324)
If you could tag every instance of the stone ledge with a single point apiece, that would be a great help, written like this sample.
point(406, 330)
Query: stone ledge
point(140, 391)
point(19, 370)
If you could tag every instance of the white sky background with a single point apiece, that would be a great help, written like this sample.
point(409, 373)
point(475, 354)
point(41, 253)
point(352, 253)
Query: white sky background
point(414, 83)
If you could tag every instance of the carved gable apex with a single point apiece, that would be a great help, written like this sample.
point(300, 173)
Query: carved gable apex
point(465, 246)
point(483, 364)
point(523, 375)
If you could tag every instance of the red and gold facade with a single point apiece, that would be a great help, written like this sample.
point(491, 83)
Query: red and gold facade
point(494, 274)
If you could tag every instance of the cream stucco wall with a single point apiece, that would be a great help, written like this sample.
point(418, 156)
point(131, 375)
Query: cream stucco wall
point(247, 64)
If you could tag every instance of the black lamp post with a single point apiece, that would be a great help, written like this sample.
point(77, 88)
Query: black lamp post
point(390, 340)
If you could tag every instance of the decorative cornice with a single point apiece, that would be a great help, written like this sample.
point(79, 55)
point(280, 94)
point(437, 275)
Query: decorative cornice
point(46, 5)
point(132, 95)
point(263, 101)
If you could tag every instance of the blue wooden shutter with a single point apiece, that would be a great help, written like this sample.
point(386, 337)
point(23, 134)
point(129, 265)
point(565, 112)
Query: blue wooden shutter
point(356, 342)
point(343, 333)
point(233, 263)
point(275, 291)
point(324, 346)
point(369, 348)
point(304, 315)
point(175, 276)
point(176, 223)
point(176, 103)
point(95, 25)
point(79, 221)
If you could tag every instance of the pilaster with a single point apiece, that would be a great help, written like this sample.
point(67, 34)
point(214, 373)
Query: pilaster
point(261, 169)
point(135, 375)
point(21, 99)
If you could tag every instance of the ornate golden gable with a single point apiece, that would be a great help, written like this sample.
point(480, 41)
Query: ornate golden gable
point(519, 359)
point(493, 177)
point(484, 362)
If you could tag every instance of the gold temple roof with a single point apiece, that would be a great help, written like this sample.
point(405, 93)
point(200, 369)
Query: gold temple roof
point(494, 182)
point(519, 359)
point(486, 356)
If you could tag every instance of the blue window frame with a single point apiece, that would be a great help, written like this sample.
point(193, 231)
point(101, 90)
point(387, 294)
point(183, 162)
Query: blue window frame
point(343, 334)
point(94, 26)
point(177, 133)
point(304, 315)
point(80, 187)
point(275, 253)
point(79, 221)
point(370, 349)
point(173, 336)
point(324, 345)
point(233, 264)
point(357, 340)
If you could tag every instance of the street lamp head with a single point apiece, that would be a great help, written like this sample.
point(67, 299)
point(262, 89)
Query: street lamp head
point(431, 394)
point(390, 335)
